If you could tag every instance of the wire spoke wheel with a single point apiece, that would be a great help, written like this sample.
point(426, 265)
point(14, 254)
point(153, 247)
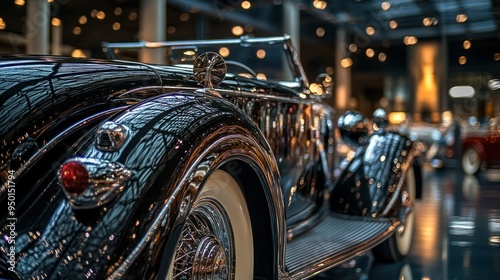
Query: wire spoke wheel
point(216, 241)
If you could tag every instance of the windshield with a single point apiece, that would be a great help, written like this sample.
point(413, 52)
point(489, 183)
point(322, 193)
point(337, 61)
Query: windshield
point(270, 60)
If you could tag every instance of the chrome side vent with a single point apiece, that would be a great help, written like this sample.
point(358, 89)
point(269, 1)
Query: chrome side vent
point(111, 136)
point(104, 141)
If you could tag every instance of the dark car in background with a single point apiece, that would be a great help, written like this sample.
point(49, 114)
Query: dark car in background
point(209, 166)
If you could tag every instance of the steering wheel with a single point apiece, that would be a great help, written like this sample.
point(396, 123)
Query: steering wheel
point(241, 65)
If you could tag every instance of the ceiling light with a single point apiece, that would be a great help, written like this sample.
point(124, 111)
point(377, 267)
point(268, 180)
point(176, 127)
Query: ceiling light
point(393, 24)
point(370, 30)
point(237, 30)
point(55, 22)
point(261, 54)
point(346, 62)
point(224, 52)
point(319, 4)
point(330, 70)
point(382, 57)
point(320, 32)
point(462, 60)
point(467, 44)
point(93, 13)
point(118, 11)
point(171, 29)
point(385, 6)
point(116, 26)
point(77, 30)
point(496, 56)
point(82, 20)
point(427, 21)
point(246, 5)
point(19, 2)
point(132, 16)
point(184, 17)
point(410, 40)
point(101, 15)
point(370, 53)
point(353, 47)
point(3, 25)
point(461, 18)
point(78, 53)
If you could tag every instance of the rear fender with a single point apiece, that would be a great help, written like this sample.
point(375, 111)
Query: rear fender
point(371, 182)
point(175, 142)
point(174, 151)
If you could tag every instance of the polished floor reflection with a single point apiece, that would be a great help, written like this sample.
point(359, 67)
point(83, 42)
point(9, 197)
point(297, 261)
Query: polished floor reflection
point(457, 234)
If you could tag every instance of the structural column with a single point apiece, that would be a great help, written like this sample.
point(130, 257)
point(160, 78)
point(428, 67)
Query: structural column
point(38, 26)
point(57, 35)
point(342, 75)
point(291, 22)
point(152, 28)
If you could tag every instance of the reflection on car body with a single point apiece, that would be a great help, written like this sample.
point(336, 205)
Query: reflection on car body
point(124, 169)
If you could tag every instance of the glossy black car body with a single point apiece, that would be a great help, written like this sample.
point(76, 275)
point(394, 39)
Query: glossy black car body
point(157, 150)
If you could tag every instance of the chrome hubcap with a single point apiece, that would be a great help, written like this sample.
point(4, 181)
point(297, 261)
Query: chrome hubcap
point(210, 260)
point(205, 249)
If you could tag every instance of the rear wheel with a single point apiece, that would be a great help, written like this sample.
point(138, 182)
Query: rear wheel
point(216, 241)
point(399, 244)
point(471, 162)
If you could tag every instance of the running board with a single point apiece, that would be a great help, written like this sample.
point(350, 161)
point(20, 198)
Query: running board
point(336, 239)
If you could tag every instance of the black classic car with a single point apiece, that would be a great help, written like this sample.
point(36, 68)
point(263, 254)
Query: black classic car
point(217, 165)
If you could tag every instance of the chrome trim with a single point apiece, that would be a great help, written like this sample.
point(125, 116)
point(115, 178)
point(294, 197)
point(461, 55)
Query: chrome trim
point(304, 226)
point(329, 263)
point(107, 179)
point(50, 145)
point(110, 136)
point(241, 40)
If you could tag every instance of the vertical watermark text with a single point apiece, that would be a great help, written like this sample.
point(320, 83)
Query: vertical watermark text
point(11, 221)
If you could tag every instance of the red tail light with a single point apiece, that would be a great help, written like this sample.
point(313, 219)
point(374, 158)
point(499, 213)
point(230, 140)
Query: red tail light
point(74, 177)
point(90, 182)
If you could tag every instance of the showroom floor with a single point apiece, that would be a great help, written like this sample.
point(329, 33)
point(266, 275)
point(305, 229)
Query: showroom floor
point(457, 234)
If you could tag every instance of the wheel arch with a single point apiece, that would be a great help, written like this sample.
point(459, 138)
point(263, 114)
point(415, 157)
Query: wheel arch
point(217, 136)
point(371, 183)
point(254, 190)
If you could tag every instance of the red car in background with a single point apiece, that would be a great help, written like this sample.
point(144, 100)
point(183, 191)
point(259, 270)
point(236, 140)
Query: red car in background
point(481, 148)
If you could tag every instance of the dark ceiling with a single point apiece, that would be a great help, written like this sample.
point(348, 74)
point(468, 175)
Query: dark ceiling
point(204, 19)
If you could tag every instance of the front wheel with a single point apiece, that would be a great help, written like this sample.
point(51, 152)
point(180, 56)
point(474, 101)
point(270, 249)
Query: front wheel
point(471, 161)
point(216, 242)
point(399, 244)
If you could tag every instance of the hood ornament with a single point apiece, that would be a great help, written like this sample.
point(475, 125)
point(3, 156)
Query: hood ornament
point(209, 70)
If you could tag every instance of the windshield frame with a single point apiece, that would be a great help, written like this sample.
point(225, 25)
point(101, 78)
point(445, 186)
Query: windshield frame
point(292, 57)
